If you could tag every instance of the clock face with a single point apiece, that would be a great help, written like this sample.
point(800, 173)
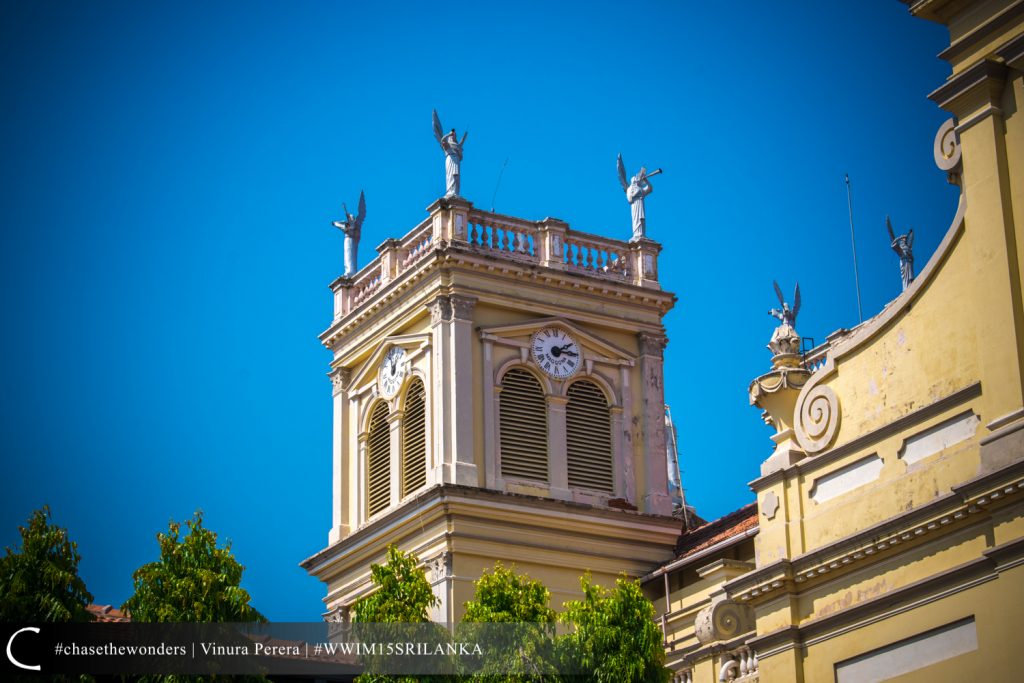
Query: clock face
point(556, 352)
point(392, 371)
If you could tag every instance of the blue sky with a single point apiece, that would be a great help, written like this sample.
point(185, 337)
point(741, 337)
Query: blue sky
point(170, 170)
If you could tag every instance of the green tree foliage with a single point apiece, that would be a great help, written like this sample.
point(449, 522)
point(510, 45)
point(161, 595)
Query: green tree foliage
point(39, 582)
point(403, 595)
point(193, 581)
point(615, 639)
point(510, 614)
point(502, 596)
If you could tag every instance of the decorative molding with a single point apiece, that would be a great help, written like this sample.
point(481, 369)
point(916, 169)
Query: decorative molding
point(937, 438)
point(954, 508)
point(462, 307)
point(947, 151)
point(439, 567)
point(870, 438)
point(652, 344)
point(816, 416)
point(769, 505)
point(340, 378)
point(1012, 52)
point(723, 619)
point(975, 38)
point(440, 310)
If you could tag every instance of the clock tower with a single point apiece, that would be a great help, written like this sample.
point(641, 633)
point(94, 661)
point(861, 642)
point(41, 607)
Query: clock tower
point(498, 395)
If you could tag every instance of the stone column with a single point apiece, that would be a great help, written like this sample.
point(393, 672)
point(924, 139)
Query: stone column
point(490, 409)
point(460, 373)
point(342, 469)
point(558, 465)
point(656, 499)
point(625, 436)
point(441, 403)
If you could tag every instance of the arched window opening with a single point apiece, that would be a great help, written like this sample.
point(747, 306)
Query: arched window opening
point(588, 439)
point(414, 439)
point(524, 426)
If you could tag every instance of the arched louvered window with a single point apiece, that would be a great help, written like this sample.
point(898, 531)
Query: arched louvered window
point(414, 438)
point(378, 456)
point(588, 438)
point(524, 426)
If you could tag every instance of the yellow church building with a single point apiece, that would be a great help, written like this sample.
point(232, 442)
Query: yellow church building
point(498, 395)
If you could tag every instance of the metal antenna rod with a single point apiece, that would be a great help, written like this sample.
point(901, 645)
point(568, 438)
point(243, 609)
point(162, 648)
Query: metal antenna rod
point(498, 184)
point(853, 241)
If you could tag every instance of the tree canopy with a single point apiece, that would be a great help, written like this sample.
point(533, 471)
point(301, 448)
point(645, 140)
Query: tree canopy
point(510, 613)
point(615, 638)
point(403, 595)
point(193, 581)
point(39, 581)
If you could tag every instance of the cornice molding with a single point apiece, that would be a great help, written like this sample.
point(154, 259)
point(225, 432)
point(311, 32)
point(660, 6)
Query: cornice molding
point(973, 94)
point(875, 542)
point(870, 438)
point(998, 21)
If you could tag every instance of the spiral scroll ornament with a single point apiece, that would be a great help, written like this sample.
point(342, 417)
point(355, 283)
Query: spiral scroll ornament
point(947, 150)
point(817, 417)
point(723, 620)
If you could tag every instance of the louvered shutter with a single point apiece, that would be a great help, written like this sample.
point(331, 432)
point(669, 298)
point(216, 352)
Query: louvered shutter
point(414, 439)
point(588, 438)
point(524, 426)
point(378, 454)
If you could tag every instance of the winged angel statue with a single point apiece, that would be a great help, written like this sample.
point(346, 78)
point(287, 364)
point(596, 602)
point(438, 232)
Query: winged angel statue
point(352, 226)
point(785, 339)
point(904, 248)
point(636, 189)
point(786, 315)
point(452, 148)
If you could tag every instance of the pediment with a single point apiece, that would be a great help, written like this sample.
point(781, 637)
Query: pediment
point(519, 334)
point(367, 374)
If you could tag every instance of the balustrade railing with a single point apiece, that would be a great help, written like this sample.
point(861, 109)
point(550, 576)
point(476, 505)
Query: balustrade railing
point(592, 254)
point(815, 358)
point(507, 236)
point(739, 665)
point(415, 245)
point(548, 243)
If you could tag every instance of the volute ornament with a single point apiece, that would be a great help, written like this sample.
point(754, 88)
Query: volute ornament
point(723, 619)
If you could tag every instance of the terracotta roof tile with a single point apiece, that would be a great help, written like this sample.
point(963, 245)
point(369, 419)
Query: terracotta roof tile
point(107, 613)
point(724, 527)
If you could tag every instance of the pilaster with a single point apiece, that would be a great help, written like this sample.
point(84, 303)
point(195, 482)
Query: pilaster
point(558, 471)
point(440, 316)
point(460, 371)
point(652, 347)
point(645, 262)
point(342, 468)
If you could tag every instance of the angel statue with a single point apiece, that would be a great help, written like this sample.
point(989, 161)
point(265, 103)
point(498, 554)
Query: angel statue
point(452, 148)
point(786, 315)
point(636, 189)
point(904, 248)
point(352, 226)
point(785, 338)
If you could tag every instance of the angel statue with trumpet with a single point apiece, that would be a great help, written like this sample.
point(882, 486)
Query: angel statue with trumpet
point(636, 189)
point(352, 226)
point(452, 148)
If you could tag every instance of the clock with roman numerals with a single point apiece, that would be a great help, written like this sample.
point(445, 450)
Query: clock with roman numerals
point(392, 371)
point(556, 352)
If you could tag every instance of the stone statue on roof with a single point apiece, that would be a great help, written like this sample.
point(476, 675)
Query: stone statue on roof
point(637, 189)
point(785, 339)
point(904, 248)
point(452, 148)
point(352, 226)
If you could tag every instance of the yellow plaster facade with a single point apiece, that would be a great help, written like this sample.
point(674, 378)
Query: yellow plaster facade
point(889, 542)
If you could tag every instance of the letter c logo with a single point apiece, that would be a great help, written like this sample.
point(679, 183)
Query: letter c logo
point(10, 656)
